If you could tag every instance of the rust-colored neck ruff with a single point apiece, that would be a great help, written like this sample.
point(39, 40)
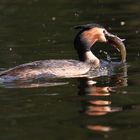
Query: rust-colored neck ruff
point(90, 36)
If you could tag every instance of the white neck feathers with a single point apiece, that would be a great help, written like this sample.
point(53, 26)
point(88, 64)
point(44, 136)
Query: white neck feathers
point(90, 57)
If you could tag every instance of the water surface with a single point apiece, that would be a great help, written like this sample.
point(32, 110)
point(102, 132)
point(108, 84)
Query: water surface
point(74, 110)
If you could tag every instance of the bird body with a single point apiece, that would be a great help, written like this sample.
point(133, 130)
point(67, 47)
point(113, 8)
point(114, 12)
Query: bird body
point(47, 68)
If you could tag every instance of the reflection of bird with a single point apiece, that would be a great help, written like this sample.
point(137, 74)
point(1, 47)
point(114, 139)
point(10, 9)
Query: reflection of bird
point(99, 102)
point(88, 35)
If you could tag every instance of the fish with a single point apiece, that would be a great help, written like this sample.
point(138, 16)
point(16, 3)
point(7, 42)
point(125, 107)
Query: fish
point(118, 44)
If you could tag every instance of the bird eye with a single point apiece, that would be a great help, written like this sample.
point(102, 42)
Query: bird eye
point(104, 31)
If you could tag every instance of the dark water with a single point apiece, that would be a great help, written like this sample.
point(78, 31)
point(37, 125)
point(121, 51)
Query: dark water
point(38, 29)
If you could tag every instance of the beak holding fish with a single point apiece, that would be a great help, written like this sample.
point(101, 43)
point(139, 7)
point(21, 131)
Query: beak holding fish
point(117, 43)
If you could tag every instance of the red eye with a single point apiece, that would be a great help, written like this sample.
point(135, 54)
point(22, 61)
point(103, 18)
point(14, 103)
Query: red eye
point(104, 31)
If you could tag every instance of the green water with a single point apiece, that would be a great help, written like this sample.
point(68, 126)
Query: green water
point(38, 29)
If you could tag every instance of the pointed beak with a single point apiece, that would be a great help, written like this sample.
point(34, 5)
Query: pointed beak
point(117, 43)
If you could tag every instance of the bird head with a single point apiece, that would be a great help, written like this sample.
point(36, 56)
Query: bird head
point(91, 33)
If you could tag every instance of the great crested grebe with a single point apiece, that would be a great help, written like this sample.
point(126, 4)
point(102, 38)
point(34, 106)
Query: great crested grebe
point(84, 40)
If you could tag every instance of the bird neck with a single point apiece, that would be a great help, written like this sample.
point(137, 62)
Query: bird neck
point(83, 42)
point(88, 56)
point(91, 58)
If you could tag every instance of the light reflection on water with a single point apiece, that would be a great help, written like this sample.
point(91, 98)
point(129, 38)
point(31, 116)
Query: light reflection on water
point(95, 106)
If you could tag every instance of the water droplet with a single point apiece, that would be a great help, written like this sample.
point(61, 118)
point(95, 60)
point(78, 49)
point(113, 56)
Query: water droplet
point(53, 18)
point(124, 92)
point(76, 14)
point(122, 23)
point(100, 51)
point(137, 31)
point(10, 49)
point(107, 55)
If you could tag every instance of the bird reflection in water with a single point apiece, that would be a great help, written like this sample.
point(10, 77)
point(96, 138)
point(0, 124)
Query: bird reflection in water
point(99, 102)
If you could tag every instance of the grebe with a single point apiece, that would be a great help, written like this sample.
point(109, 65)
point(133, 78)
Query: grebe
point(84, 40)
